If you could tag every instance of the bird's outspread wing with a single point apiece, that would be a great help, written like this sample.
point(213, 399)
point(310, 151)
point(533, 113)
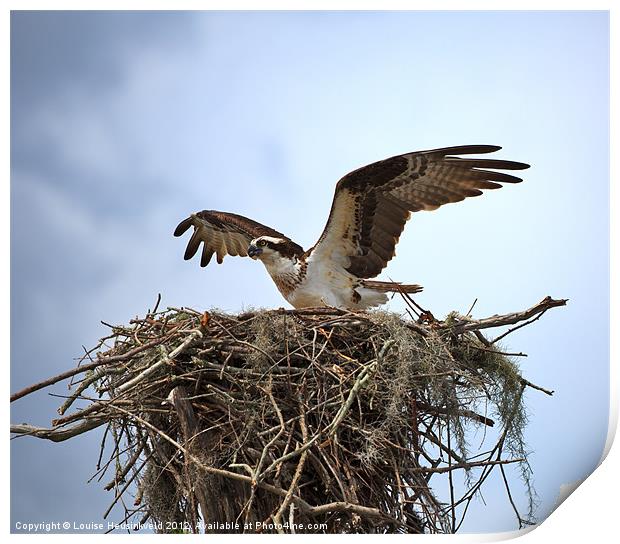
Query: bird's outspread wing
point(372, 204)
point(222, 234)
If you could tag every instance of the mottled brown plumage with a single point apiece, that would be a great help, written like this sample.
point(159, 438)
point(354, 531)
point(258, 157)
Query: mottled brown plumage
point(372, 204)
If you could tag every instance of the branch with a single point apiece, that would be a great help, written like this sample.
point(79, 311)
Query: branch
point(463, 412)
point(165, 359)
point(464, 325)
point(57, 434)
point(466, 466)
point(364, 376)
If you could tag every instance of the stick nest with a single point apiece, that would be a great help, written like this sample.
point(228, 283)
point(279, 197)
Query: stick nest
point(315, 420)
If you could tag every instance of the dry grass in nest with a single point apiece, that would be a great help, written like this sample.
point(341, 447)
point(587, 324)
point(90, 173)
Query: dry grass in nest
point(316, 420)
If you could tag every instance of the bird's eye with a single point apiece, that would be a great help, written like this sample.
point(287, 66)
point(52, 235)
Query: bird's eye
point(261, 243)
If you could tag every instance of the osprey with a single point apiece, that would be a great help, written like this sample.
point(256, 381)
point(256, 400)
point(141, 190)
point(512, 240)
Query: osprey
point(370, 208)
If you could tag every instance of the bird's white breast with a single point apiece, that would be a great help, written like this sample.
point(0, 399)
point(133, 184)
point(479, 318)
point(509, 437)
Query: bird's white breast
point(315, 282)
point(323, 284)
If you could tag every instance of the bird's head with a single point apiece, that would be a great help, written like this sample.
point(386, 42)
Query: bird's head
point(265, 248)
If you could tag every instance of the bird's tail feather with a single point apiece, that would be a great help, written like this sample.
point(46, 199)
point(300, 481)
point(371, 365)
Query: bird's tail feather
point(391, 286)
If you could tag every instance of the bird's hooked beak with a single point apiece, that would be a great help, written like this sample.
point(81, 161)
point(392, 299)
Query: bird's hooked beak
point(254, 251)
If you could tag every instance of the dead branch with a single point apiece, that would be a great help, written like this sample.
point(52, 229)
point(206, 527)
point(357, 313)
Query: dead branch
point(464, 324)
point(57, 434)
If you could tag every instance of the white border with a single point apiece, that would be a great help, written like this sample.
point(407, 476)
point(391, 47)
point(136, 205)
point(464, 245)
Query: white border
point(587, 514)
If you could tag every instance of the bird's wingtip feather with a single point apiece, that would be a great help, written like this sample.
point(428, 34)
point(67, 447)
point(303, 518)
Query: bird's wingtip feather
point(183, 226)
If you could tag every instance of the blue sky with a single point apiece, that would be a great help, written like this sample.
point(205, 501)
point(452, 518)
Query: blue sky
point(123, 123)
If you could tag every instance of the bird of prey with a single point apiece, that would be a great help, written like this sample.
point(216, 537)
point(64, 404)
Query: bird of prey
point(370, 208)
